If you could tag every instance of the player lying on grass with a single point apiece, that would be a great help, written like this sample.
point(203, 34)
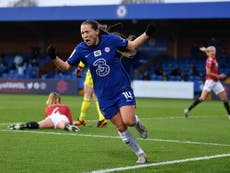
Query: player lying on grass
point(57, 116)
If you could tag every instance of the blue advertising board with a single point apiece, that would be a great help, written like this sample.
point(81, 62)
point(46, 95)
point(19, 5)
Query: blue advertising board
point(38, 86)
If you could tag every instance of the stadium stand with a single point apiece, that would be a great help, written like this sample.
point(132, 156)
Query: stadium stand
point(173, 45)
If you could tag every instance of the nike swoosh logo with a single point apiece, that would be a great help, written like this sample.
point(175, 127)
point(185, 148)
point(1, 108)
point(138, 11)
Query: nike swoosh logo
point(87, 55)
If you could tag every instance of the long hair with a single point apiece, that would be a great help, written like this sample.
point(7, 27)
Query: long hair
point(104, 29)
point(96, 25)
point(53, 98)
point(208, 49)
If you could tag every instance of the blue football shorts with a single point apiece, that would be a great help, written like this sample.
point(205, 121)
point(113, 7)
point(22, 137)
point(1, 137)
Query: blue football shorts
point(109, 107)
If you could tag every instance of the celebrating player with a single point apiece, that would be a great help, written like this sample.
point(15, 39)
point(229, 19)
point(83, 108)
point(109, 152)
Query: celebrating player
point(112, 87)
point(57, 116)
point(212, 82)
point(88, 85)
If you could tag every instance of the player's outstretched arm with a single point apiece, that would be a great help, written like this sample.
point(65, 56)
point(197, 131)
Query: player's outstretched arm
point(59, 63)
point(149, 32)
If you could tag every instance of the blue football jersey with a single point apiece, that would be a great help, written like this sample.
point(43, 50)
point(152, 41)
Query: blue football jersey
point(108, 74)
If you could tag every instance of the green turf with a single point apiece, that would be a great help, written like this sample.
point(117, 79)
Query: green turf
point(170, 138)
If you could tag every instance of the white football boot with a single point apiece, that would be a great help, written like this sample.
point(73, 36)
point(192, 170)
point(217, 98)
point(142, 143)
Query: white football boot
point(142, 158)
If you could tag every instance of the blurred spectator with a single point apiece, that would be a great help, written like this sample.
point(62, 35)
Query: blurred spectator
point(19, 64)
point(34, 62)
point(3, 64)
point(146, 76)
point(159, 71)
point(176, 71)
point(3, 60)
point(193, 71)
point(194, 74)
point(35, 56)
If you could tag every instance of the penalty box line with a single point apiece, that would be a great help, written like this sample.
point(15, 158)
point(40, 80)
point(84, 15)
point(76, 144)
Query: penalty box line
point(161, 163)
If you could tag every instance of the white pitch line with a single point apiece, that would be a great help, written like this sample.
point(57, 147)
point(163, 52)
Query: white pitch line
point(149, 118)
point(189, 142)
point(117, 137)
point(181, 117)
point(161, 163)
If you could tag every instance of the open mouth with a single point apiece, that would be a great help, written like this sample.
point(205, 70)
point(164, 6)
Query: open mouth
point(87, 41)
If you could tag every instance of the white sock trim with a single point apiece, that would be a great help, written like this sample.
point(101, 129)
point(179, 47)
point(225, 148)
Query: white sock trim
point(137, 119)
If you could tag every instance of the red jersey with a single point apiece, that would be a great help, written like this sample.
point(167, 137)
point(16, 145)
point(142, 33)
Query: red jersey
point(212, 64)
point(61, 108)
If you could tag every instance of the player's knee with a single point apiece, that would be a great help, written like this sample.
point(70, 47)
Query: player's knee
point(130, 123)
point(87, 96)
point(201, 99)
point(121, 128)
point(225, 100)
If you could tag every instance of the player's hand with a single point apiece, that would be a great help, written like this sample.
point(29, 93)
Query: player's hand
point(222, 76)
point(51, 51)
point(78, 71)
point(150, 30)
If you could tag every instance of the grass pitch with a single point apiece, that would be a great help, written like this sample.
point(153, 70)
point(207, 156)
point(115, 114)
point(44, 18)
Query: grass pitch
point(174, 144)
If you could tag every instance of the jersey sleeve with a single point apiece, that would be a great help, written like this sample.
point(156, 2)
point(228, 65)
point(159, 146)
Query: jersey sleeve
point(208, 63)
point(75, 57)
point(47, 111)
point(120, 42)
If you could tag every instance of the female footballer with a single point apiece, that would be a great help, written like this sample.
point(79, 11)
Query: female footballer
point(57, 116)
point(212, 82)
point(112, 87)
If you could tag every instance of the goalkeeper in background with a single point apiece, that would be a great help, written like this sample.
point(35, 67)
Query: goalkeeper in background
point(88, 95)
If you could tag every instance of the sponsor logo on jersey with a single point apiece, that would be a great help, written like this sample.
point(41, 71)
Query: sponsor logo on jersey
point(209, 63)
point(97, 53)
point(107, 49)
point(102, 69)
